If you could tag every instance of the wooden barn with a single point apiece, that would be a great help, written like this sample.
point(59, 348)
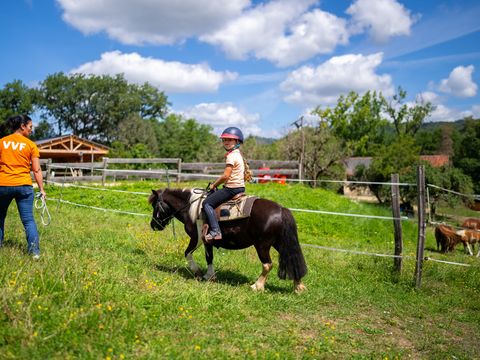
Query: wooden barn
point(70, 149)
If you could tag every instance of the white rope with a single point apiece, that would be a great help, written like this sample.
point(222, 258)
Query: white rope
point(383, 255)
point(352, 215)
point(354, 251)
point(98, 188)
point(455, 192)
point(98, 208)
point(41, 204)
point(445, 262)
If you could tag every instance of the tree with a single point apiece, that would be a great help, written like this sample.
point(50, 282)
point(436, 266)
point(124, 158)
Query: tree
point(15, 98)
point(467, 152)
point(358, 121)
point(407, 119)
point(400, 157)
point(134, 130)
point(93, 106)
point(323, 152)
point(187, 139)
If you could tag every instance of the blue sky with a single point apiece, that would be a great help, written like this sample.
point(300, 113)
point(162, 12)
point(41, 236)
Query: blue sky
point(258, 65)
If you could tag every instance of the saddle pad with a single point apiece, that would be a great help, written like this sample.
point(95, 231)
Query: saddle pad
point(235, 209)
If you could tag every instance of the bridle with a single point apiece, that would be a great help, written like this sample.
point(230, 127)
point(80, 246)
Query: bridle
point(160, 208)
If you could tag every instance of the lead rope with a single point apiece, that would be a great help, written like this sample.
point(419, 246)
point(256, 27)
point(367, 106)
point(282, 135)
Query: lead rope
point(41, 204)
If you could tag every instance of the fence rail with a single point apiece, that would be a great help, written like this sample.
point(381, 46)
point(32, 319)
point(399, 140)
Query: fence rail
point(70, 172)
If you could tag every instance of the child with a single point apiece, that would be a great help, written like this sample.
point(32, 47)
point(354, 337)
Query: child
point(233, 178)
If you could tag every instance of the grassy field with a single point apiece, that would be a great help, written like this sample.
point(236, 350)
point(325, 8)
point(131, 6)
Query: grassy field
point(107, 287)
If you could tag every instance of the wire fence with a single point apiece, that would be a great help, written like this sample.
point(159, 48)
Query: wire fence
point(326, 248)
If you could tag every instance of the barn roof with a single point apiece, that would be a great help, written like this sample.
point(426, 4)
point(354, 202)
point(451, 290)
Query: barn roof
point(70, 146)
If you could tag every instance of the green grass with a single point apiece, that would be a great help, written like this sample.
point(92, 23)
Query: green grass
point(107, 287)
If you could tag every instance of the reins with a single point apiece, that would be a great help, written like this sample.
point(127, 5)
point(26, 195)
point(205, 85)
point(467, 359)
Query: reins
point(41, 204)
point(167, 219)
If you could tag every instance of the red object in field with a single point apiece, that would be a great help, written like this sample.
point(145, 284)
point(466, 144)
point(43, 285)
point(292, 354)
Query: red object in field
point(281, 179)
point(264, 178)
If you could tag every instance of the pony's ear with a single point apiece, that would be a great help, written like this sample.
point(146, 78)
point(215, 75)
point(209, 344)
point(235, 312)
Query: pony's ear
point(153, 197)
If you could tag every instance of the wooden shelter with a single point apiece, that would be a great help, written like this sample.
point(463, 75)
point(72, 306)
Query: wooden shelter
point(71, 148)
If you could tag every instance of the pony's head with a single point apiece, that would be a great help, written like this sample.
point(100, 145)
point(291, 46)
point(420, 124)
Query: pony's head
point(162, 212)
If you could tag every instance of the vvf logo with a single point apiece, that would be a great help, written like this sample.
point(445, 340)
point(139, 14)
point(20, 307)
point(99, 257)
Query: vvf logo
point(14, 145)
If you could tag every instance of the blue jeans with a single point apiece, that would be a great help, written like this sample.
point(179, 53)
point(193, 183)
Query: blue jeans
point(214, 200)
point(24, 197)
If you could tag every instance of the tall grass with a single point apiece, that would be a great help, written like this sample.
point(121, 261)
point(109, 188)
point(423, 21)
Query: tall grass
point(107, 287)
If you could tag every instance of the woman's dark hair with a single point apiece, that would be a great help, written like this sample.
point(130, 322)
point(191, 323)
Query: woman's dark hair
point(14, 123)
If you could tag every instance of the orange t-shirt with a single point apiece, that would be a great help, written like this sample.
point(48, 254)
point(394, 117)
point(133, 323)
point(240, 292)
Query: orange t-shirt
point(16, 153)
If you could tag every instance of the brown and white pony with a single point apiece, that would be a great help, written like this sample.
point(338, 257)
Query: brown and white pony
point(471, 234)
point(269, 225)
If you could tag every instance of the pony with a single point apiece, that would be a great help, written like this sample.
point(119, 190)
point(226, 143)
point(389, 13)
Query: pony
point(471, 234)
point(471, 223)
point(269, 225)
point(470, 237)
point(447, 238)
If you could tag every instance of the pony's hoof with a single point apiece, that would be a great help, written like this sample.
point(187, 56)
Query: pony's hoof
point(212, 278)
point(300, 288)
point(256, 287)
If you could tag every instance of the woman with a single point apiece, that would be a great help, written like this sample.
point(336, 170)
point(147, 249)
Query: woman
point(233, 178)
point(17, 154)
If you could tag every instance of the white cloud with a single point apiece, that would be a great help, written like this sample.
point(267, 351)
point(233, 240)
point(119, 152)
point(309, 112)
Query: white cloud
point(282, 32)
point(223, 115)
point(459, 82)
point(310, 86)
point(145, 21)
point(383, 19)
point(171, 77)
point(428, 96)
point(476, 111)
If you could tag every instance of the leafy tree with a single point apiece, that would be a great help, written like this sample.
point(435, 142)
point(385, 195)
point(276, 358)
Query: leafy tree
point(323, 152)
point(15, 98)
point(467, 152)
point(253, 148)
point(358, 121)
point(407, 119)
point(429, 141)
point(43, 130)
point(187, 139)
point(134, 130)
point(93, 106)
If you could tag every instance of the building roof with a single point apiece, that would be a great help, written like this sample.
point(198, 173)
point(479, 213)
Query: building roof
point(70, 146)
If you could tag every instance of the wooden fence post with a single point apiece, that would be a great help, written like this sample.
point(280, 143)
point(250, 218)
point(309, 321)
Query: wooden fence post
point(421, 224)
point(48, 170)
point(179, 170)
point(104, 172)
point(397, 226)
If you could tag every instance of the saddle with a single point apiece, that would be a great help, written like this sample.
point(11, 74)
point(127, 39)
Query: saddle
point(238, 207)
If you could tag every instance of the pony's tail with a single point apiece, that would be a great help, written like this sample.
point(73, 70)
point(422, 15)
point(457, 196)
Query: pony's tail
point(291, 261)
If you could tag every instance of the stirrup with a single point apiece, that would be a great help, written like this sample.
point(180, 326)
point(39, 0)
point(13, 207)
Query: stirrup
point(213, 237)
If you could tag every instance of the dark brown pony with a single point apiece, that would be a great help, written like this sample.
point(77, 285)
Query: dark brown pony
point(269, 225)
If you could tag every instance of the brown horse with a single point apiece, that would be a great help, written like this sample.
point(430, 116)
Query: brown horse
point(446, 238)
point(269, 225)
point(471, 223)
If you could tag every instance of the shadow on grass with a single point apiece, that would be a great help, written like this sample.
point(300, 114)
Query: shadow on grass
point(226, 277)
point(14, 244)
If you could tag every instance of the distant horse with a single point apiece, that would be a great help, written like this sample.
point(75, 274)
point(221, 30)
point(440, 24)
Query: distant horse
point(470, 237)
point(471, 234)
point(446, 238)
point(269, 225)
point(471, 223)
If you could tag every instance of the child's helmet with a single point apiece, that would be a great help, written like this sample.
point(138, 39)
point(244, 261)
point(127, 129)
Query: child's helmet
point(232, 133)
